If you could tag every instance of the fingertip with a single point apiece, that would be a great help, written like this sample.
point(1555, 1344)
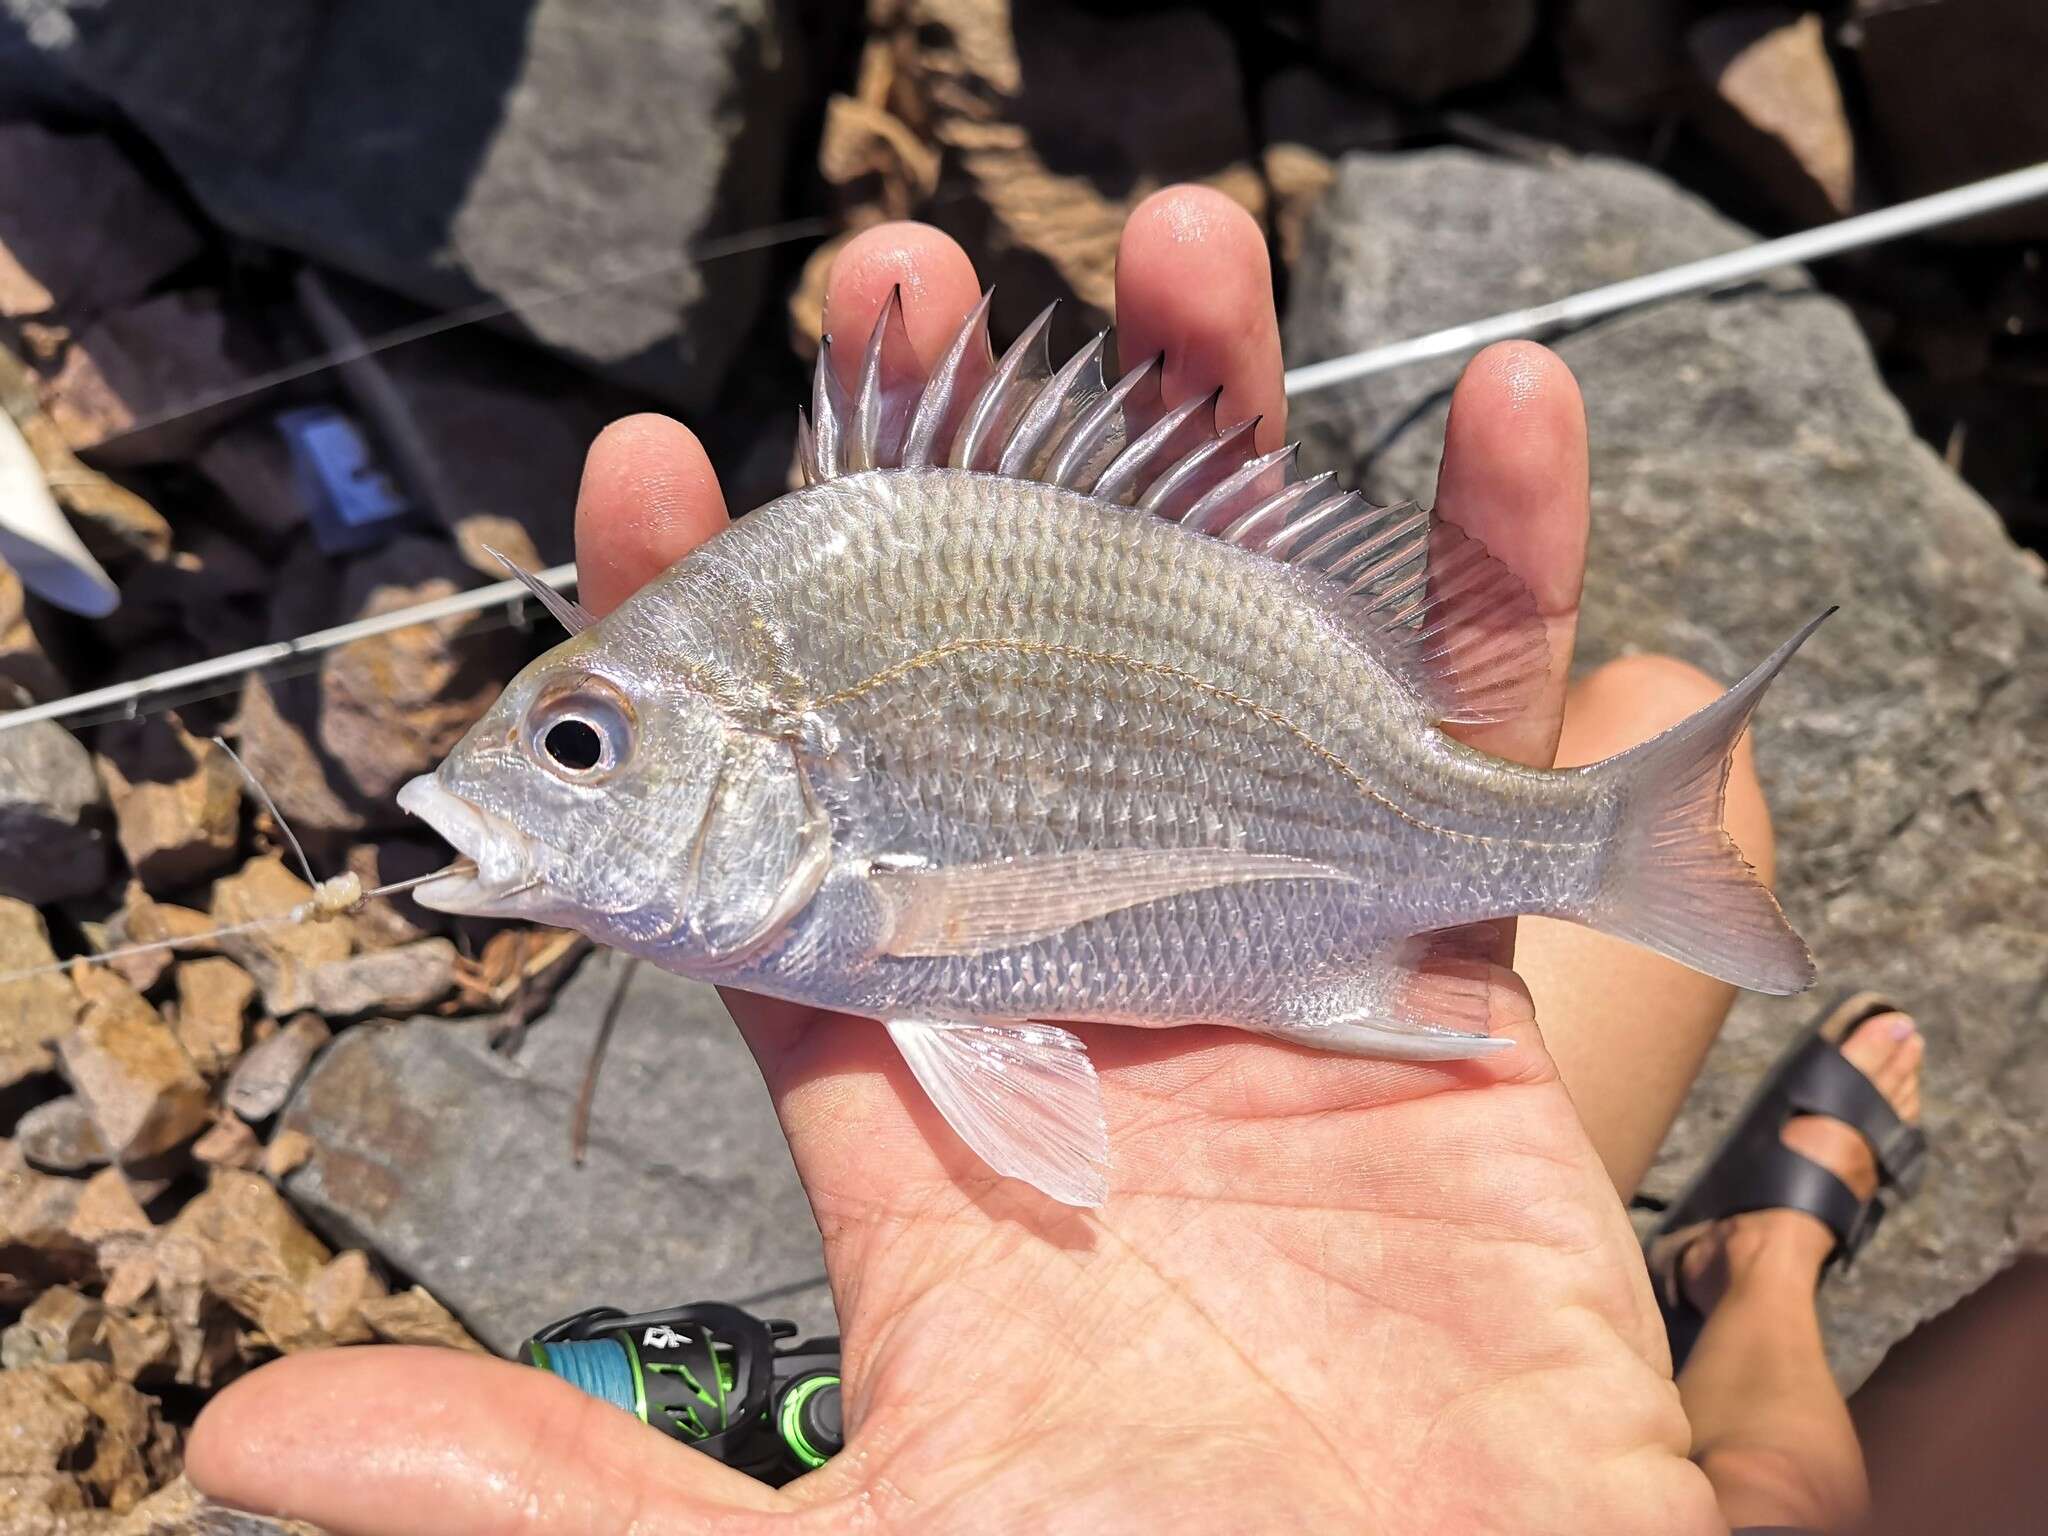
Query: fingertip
point(649, 496)
point(926, 265)
point(1194, 281)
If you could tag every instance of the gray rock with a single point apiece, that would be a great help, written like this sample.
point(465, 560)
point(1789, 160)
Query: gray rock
point(1421, 52)
point(53, 816)
point(1622, 59)
point(1749, 467)
point(457, 153)
point(61, 1136)
point(453, 1162)
point(264, 1078)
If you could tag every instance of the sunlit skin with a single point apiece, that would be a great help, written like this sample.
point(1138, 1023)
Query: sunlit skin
point(1327, 1294)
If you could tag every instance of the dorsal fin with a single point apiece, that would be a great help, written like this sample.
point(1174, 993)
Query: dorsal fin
point(1448, 617)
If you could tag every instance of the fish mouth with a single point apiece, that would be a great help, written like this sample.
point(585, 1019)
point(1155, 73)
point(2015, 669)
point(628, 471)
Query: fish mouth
point(504, 856)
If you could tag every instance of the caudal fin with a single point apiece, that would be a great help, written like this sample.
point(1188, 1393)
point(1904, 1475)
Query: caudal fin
point(1675, 882)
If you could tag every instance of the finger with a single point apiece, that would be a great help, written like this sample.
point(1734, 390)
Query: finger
point(1193, 280)
point(1514, 477)
point(649, 497)
point(429, 1442)
point(938, 283)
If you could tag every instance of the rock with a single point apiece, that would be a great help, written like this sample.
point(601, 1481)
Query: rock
point(264, 1078)
point(143, 920)
point(414, 1317)
point(333, 749)
point(1623, 60)
point(38, 1246)
point(177, 800)
point(519, 968)
point(228, 1143)
point(1306, 120)
point(114, 522)
point(53, 842)
point(1952, 88)
point(105, 1215)
point(279, 954)
point(60, 1135)
point(250, 1252)
point(1421, 52)
point(287, 1150)
point(1035, 177)
point(389, 920)
point(1748, 467)
point(214, 995)
point(24, 661)
point(78, 1421)
point(94, 236)
point(452, 1161)
point(401, 980)
point(131, 1073)
point(178, 1509)
point(35, 1012)
point(547, 150)
point(1770, 101)
point(149, 359)
point(250, 465)
point(61, 1324)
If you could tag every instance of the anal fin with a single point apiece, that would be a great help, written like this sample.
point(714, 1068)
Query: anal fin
point(1024, 1097)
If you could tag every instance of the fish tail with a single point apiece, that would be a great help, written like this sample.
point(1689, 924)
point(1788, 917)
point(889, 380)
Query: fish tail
point(1674, 882)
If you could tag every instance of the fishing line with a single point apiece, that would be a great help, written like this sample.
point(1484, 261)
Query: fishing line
point(1713, 272)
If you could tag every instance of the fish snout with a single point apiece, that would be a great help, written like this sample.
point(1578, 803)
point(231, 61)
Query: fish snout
point(503, 855)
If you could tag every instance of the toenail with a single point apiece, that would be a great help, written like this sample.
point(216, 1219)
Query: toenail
point(1902, 1028)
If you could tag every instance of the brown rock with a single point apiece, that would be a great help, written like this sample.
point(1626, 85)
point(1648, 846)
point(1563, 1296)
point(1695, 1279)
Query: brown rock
point(228, 1144)
point(397, 981)
point(113, 521)
point(60, 1135)
point(999, 89)
point(389, 920)
point(107, 1218)
point(278, 955)
point(178, 1509)
point(132, 1074)
point(252, 1254)
point(251, 466)
point(144, 920)
point(24, 662)
point(1769, 98)
point(59, 1325)
point(177, 800)
point(274, 733)
point(338, 1295)
point(264, 1078)
point(37, 1246)
point(96, 233)
point(1953, 90)
point(414, 1317)
point(79, 1419)
point(393, 705)
point(1421, 52)
point(1623, 60)
point(147, 359)
point(214, 995)
point(34, 1013)
point(288, 1150)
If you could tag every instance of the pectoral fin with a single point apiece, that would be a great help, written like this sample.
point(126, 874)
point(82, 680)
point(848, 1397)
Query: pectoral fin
point(1023, 1096)
point(967, 908)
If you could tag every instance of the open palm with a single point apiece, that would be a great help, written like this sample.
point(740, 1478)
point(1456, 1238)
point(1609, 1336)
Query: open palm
point(1326, 1294)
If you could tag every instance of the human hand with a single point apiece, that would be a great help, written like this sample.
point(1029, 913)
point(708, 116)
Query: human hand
point(1326, 1293)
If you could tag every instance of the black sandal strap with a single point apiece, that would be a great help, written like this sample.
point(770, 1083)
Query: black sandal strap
point(1778, 1179)
point(1824, 1082)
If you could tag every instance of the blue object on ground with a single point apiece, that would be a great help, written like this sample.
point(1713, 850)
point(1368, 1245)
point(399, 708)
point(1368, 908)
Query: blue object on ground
point(352, 502)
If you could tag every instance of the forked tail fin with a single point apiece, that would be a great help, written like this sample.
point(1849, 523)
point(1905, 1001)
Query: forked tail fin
point(1675, 882)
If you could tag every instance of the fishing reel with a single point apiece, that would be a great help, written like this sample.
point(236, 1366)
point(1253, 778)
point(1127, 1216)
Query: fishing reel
point(730, 1384)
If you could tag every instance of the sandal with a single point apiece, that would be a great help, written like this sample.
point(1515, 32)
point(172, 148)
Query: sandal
point(1753, 1170)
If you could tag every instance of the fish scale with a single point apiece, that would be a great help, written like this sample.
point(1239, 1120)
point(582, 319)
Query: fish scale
point(972, 754)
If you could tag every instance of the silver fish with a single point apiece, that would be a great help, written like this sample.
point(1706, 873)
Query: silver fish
point(1042, 702)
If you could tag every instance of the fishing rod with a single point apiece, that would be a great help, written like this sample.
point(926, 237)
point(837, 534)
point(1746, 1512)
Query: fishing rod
point(1710, 273)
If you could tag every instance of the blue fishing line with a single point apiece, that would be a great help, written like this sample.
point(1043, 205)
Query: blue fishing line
point(598, 1366)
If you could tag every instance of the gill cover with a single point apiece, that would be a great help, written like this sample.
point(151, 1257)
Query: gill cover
point(760, 854)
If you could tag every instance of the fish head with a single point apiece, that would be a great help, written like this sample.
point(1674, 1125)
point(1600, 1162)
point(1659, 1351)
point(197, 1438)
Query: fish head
point(581, 793)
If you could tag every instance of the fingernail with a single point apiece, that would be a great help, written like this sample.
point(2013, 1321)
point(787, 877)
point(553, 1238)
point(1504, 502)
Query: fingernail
point(1902, 1028)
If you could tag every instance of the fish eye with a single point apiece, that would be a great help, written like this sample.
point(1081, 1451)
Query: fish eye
point(583, 735)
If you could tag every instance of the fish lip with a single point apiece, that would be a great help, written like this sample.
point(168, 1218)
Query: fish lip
point(503, 855)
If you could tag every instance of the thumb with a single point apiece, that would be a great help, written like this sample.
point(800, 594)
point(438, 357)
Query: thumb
point(429, 1442)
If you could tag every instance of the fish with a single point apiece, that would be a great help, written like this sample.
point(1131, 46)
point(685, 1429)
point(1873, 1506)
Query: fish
point(1042, 701)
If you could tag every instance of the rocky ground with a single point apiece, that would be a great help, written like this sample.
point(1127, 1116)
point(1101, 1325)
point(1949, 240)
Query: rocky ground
point(367, 1128)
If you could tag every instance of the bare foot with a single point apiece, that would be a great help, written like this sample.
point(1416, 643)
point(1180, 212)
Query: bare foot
point(1791, 1244)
